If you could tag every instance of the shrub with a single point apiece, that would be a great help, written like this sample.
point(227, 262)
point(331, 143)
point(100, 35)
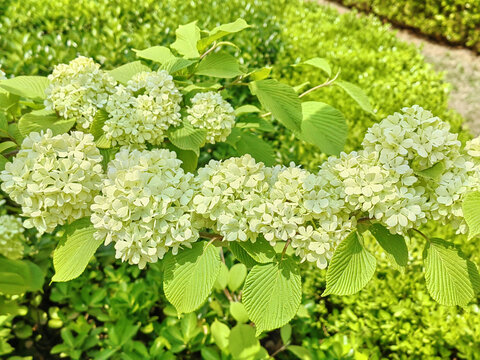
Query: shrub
point(456, 21)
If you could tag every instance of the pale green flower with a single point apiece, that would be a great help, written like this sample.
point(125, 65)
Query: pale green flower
point(78, 89)
point(211, 112)
point(143, 111)
point(54, 178)
point(227, 193)
point(145, 206)
point(11, 237)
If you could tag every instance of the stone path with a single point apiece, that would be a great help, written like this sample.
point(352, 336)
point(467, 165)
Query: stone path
point(461, 67)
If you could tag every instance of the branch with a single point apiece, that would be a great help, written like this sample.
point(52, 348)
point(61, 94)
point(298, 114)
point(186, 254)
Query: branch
point(326, 83)
point(421, 234)
point(285, 248)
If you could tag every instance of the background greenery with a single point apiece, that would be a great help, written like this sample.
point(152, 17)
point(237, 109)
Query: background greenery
point(114, 309)
point(456, 21)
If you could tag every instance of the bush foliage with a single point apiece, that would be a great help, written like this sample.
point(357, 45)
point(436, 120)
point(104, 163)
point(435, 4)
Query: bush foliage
point(456, 21)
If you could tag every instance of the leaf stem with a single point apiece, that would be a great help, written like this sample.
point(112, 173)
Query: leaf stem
point(214, 46)
point(285, 248)
point(326, 83)
point(421, 234)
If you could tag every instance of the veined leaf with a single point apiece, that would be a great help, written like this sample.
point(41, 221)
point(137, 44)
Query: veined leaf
point(7, 145)
point(75, 250)
point(260, 250)
point(220, 334)
point(451, 278)
point(236, 276)
point(221, 31)
point(393, 244)
point(187, 137)
point(19, 276)
point(189, 276)
point(260, 74)
point(324, 126)
point(272, 294)
point(189, 158)
point(434, 172)
point(125, 72)
point(319, 63)
point(186, 41)
point(246, 109)
point(240, 253)
point(351, 267)
point(357, 94)
point(176, 64)
point(281, 100)
point(258, 148)
point(471, 213)
point(243, 344)
point(160, 54)
point(30, 87)
point(238, 312)
point(39, 120)
point(96, 128)
point(219, 64)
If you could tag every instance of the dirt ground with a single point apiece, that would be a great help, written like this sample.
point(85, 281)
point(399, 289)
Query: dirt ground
point(461, 67)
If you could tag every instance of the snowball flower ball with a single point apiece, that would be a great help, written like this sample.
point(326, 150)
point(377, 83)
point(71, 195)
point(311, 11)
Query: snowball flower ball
point(211, 112)
point(143, 110)
point(78, 89)
point(11, 237)
point(227, 193)
point(54, 178)
point(144, 207)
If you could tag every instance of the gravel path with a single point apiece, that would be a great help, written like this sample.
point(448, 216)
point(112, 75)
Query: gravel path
point(461, 67)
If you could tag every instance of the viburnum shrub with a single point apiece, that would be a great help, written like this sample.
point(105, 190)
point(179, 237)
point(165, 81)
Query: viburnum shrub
point(127, 157)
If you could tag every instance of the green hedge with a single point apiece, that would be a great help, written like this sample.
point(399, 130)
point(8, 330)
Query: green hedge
point(35, 35)
point(456, 21)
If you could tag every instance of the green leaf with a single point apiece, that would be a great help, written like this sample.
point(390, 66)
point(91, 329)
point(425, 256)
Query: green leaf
point(319, 63)
point(189, 276)
point(75, 250)
point(260, 74)
point(3, 123)
point(258, 148)
point(221, 31)
point(238, 312)
point(19, 276)
point(256, 123)
point(357, 94)
point(286, 333)
point(451, 278)
point(186, 41)
point(30, 87)
point(351, 268)
point(209, 353)
point(189, 158)
point(15, 133)
point(281, 100)
point(261, 251)
point(39, 120)
point(7, 145)
point(187, 137)
point(96, 128)
point(240, 253)
point(243, 344)
point(220, 334)
point(189, 326)
point(125, 72)
point(272, 294)
point(160, 54)
point(236, 276)
point(176, 64)
point(324, 126)
point(246, 109)
point(393, 244)
point(434, 172)
point(3, 162)
point(219, 64)
point(222, 278)
point(300, 352)
point(471, 213)
point(8, 100)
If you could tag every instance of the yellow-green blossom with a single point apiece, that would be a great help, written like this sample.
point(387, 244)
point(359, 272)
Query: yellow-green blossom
point(11, 237)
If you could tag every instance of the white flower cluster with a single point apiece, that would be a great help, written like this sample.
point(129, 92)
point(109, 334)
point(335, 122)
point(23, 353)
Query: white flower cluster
point(11, 237)
point(143, 110)
point(78, 89)
point(211, 112)
point(144, 208)
point(409, 144)
point(54, 178)
point(227, 193)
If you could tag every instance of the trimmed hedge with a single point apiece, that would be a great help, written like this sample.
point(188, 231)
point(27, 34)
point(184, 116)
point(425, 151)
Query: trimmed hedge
point(454, 21)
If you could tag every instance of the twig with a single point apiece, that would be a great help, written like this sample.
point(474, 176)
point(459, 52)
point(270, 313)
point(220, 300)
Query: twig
point(279, 350)
point(214, 46)
point(421, 234)
point(211, 236)
point(285, 248)
point(326, 83)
